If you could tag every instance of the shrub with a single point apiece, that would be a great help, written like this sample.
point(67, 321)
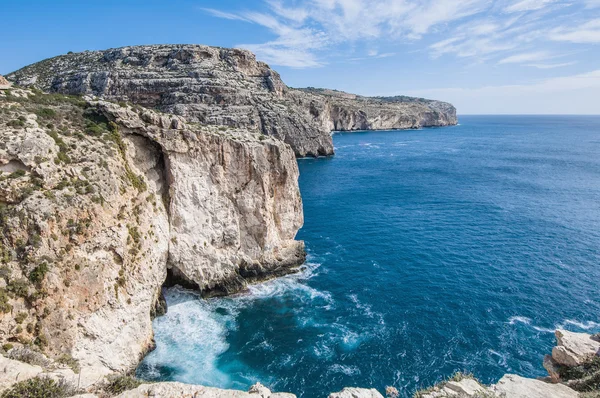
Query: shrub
point(4, 306)
point(40, 387)
point(71, 362)
point(17, 174)
point(119, 384)
point(18, 287)
point(38, 273)
point(7, 346)
point(45, 113)
point(20, 317)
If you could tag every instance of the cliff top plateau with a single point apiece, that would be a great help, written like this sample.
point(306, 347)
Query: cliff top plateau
point(221, 86)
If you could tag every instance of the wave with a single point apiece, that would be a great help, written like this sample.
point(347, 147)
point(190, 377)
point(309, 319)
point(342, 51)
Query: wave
point(585, 325)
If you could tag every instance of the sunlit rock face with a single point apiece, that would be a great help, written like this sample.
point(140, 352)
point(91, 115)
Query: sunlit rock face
point(221, 86)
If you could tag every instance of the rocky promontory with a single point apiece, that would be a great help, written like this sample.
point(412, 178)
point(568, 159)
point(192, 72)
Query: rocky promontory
point(128, 169)
point(100, 202)
point(228, 87)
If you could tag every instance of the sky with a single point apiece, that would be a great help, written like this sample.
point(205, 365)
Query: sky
point(483, 56)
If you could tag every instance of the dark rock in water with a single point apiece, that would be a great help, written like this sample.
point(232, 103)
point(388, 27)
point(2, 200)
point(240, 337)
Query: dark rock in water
point(229, 87)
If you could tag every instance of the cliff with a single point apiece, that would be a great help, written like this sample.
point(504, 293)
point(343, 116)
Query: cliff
point(100, 201)
point(228, 87)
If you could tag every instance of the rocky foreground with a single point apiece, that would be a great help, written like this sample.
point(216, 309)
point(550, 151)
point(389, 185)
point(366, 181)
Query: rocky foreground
point(173, 164)
point(228, 87)
point(99, 202)
point(573, 367)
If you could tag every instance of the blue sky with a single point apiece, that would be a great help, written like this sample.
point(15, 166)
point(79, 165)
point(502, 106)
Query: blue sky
point(504, 56)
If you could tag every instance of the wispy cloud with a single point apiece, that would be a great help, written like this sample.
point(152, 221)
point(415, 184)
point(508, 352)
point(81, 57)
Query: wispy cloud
point(551, 66)
point(565, 94)
point(500, 31)
point(526, 57)
point(528, 5)
point(588, 32)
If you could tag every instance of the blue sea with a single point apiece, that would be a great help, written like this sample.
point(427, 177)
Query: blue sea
point(430, 251)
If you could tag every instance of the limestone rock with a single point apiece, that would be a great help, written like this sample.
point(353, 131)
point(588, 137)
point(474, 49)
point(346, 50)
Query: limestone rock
point(102, 199)
point(235, 205)
point(12, 372)
point(513, 386)
point(355, 392)
point(229, 87)
point(180, 390)
point(552, 367)
point(574, 349)
point(4, 84)
point(466, 386)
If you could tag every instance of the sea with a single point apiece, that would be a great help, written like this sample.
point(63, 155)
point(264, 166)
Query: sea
point(430, 252)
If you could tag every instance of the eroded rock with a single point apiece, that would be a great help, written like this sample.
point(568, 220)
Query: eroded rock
point(513, 386)
point(221, 86)
point(355, 392)
point(573, 349)
point(177, 390)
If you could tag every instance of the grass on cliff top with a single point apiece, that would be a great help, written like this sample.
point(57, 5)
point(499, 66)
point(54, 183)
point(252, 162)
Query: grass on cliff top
point(40, 387)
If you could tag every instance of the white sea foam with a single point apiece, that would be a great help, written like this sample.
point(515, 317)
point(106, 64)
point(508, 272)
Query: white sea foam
point(527, 321)
point(345, 369)
point(586, 325)
point(192, 335)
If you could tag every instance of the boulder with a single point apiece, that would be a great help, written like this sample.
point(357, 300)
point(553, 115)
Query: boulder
point(574, 349)
point(180, 390)
point(354, 392)
point(513, 386)
point(466, 386)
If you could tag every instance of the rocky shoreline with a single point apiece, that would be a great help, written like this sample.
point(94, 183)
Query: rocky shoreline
point(228, 87)
point(573, 367)
point(125, 170)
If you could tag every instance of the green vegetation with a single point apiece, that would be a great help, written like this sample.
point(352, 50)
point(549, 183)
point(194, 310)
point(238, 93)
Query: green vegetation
point(135, 180)
point(17, 123)
point(583, 378)
point(71, 362)
point(63, 149)
point(38, 273)
point(5, 307)
point(39, 387)
point(18, 287)
point(45, 113)
point(20, 317)
point(119, 384)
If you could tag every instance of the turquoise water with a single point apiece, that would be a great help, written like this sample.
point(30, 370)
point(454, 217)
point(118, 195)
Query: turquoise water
point(430, 252)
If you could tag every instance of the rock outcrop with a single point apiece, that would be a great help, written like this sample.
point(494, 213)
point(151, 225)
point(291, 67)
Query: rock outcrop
point(4, 84)
point(98, 201)
point(176, 390)
point(574, 349)
point(220, 86)
point(355, 392)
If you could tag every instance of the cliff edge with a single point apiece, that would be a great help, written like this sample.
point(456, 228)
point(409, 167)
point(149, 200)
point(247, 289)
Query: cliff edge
point(227, 87)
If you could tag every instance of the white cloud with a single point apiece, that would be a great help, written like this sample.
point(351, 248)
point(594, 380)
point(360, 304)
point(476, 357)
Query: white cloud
point(306, 32)
point(551, 66)
point(588, 32)
point(526, 57)
point(528, 5)
point(575, 94)
point(592, 3)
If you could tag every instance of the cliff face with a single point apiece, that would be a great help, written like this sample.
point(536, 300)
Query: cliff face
point(228, 87)
point(98, 201)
